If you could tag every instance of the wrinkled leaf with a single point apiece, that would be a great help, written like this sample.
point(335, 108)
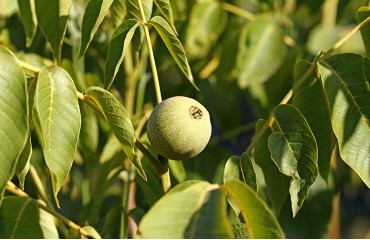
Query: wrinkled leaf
point(261, 51)
point(241, 168)
point(165, 8)
point(133, 8)
point(260, 221)
point(19, 218)
point(207, 21)
point(276, 182)
point(59, 113)
point(346, 81)
point(29, 20)
point(362, 14)
point(119, 121)
point(197, 210)
point(311, 101)
point(93, 17)
point(118, 48)
point(13, 115)
point(293, 148)
point(174, 45)
point(52, 16)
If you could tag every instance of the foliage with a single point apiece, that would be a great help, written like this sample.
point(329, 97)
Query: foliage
point(286, 83)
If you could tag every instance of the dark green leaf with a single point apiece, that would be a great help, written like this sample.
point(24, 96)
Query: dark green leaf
point(362, 14)
point(14, 115)
point(165, 8)
point(134, 11)
point(310, 99)
point(241, 168)
point(174, 46)
point(293, 149)
point(207, 21)
point(59, 113)
point(346, 81)
point(260, 221)
point(261, 51)
point(118, 48)
point(52, 16)
point(119, 121)
point(19, 218)
point(23, 164)
point(93, 17)
point(29, 20)
point(196, 211)
point(276, 182)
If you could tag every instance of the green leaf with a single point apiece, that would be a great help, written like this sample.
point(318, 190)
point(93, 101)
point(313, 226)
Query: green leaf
point(174, 45)
point(276, 182)
point(310, 99)
point(29, 20)
point(59, 113)
point(92, 232)
point(47, 224)
point(261, 51)
point(293, 149)
point(19, 218)
point(117, 12)
point(14, 115)
point(118, 48)
point(194, 211)
point(241, 168)
point(93, 17)
point(207, 21)
point(363, 13)
point(89, 137)
point(133, 9)
point(164, 6)
point(52, 16)
point(23, 165)
point(260, 221)
point(119, 121)
point(346, 81)
point(240, 230)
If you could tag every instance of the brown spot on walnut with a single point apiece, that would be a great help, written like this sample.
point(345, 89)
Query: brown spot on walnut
point(195, 112)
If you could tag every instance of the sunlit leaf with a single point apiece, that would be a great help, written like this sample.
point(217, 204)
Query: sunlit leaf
point(207, 21)
point(311, 101)
point(197, 210)
point(47, 224)
point(363, 13)
point(13, 115)
point(294, 150)
point(59, 113)
point(118, 48)
point(134, 11)
point(346, 81)
point(174, 45)
point(261, 51)
point(52, 16)
point(276, 182)
point(241, 168)
point(119, 120)
point(29, 20)
point(92, 232)
point(165, 8)
point(259, 220)
point(19, 218)
point(93, 17)
point(117, 12)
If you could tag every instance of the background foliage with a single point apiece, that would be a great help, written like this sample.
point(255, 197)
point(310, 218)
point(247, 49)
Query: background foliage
point(286, 84)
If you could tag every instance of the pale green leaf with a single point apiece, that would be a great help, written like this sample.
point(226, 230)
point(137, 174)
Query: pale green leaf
point(119, 121)
point(310, 99)
point(119, 45)
point(207, 21)
point(177, 170)
point(197, 210)
point(14, 115)
point(165, 8)
point(174, 45)
point(241, 168)
point(7, 8)
point(93, 17)
point(52, 16)
point(240, 230)
point(47, 224)
point(260, 221)
point(117, 12)
point(293, 148)
point(19, 218)
point(346, 81)
point(276, 182)
point(261, 51)
point(363, 13)
point(59, 113)
point(134, 11)
point(92, 232)
point(29, 20)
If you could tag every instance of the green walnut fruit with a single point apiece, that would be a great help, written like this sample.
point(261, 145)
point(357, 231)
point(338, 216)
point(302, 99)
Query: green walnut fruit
point(179, 128)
